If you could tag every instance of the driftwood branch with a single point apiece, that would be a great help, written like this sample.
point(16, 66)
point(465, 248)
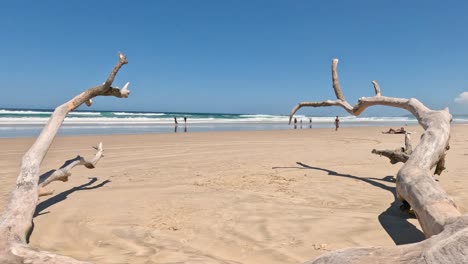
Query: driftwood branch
point(376, 88)
point(442, 223)
point(403, 154)
point(64, 172)
point(408, 146)
point(420, 111)
point(16, 219)
point(397, 155)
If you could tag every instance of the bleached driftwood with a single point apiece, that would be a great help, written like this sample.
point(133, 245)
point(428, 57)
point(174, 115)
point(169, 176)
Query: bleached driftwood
point(64, 172)
point(402, 155)
point(445, 228)
point(16, 219)
point(397, 155)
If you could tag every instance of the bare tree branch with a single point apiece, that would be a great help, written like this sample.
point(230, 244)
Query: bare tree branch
point(412, 105)
point(15, 221)
point(408, 147)
point(376, 88)
point(64, 172)
point(395, 156)
point(336, 82)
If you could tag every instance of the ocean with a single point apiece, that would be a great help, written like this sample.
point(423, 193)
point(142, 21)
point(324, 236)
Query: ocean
point(29, 122)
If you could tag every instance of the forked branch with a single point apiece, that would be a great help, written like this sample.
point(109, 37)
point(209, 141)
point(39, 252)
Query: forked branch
point(64, 172)
point(412, 105)
point(397, 155)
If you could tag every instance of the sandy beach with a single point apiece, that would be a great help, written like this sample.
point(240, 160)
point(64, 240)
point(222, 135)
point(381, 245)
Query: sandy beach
point(227, 197)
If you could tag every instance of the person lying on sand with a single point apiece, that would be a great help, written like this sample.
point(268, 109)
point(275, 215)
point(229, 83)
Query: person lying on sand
point(395, 131)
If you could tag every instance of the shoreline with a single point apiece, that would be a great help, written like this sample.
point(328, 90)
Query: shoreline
point(170, 130)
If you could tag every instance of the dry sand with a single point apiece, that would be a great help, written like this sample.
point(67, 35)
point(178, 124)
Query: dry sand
point(226, 197)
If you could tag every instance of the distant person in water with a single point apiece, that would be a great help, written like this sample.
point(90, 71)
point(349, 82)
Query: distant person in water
point(337, 123)
point(295, 123)
point(310, 122)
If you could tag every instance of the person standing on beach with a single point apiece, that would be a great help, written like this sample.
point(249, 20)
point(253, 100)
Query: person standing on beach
point(295, 123)
point(185, 123)
point(176, 124)
point(301, 123)
point(337, 123)
point(310, 122)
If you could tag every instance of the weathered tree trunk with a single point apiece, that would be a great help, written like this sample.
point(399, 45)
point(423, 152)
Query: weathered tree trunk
point(443, 225)
point(16, 220)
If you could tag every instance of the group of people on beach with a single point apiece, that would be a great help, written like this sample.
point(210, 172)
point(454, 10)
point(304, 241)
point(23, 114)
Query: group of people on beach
point(295, 123)
point(176, 124)
point(337, 123)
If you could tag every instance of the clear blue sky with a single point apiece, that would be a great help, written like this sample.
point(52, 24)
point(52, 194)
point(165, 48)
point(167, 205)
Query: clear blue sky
point(233, 56)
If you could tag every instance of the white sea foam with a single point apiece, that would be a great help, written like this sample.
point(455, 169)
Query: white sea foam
point(255, 119)
point(32, 117)
point(137, 114)
point(32, 112)
point(28, 124)
point(260, 115)
point(23, 112)
point(85, 113)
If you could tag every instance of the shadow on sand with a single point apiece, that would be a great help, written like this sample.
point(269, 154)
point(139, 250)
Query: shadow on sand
point(393, 220)
point(63, 196)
